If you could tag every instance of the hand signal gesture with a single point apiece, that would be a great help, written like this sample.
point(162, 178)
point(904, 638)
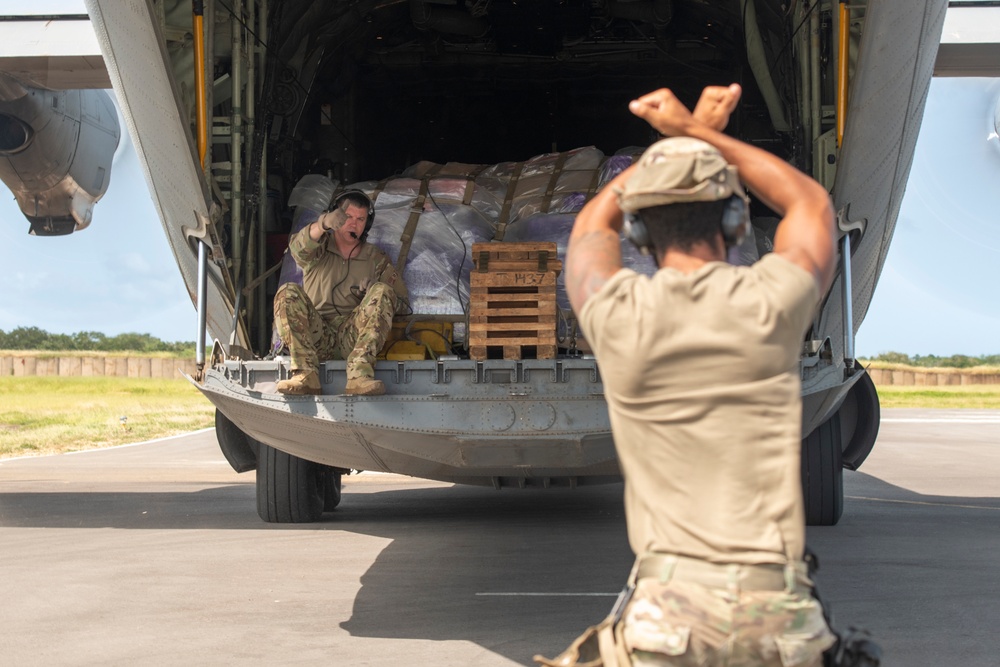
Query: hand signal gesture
point(668, 115)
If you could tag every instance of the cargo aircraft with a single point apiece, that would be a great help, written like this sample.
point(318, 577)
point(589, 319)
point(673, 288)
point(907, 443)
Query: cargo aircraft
point(427, 105)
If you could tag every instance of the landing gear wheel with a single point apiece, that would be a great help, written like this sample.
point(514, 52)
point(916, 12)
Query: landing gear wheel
point(331, 489)
point(860, 417)
point(289, 489)
point(239, 450)
point(823, 474)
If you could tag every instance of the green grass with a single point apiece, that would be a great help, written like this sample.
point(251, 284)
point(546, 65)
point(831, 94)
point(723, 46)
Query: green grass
point(983, 397)
point(49, 415)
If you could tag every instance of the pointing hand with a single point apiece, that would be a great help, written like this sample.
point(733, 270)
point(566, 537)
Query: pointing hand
point(333, 220)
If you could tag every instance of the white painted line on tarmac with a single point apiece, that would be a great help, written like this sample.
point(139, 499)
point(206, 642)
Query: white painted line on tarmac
point(548, 595)
point(941, 420)
point(921, 502)
point(144, 442)
point(105, 449)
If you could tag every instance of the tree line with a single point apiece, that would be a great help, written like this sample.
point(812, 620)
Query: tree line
point(934, 361)
point(33, 338)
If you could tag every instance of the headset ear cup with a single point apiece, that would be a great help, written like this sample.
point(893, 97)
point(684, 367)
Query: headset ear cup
point(735, 221)
point(635, 231)
point(368, 225)
point(370, 220)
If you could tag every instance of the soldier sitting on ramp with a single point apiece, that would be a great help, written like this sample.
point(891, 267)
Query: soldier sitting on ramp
point(700, 365)
point(344, 308)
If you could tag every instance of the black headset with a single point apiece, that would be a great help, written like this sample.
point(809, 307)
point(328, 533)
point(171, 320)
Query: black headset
point(735, 226)
point(369, 219)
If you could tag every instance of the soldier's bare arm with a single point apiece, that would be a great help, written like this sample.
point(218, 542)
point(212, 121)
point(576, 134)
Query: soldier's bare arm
point(805, 235)
point(594, 252)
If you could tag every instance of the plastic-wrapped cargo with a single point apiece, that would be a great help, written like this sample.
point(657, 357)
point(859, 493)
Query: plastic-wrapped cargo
point(444, 209)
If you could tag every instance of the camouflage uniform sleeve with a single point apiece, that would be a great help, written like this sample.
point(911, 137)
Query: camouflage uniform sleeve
point(304, 250)
point(386, 273)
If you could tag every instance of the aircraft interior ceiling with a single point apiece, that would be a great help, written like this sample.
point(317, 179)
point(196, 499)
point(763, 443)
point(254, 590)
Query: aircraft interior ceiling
point(502, 80)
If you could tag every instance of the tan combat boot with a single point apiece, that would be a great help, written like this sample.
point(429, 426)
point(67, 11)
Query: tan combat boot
point(301, 382)
point(365, 387)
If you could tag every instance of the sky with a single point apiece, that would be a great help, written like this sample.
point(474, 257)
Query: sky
point(938, 292)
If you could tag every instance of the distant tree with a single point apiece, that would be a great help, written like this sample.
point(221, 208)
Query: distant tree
point(56, 342)
point(26, 338)
point(894, 358)
point(33, 338)
point(961, 361)
point(88, 340)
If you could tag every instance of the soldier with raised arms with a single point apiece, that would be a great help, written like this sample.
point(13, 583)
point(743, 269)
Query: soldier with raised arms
point(700, 364)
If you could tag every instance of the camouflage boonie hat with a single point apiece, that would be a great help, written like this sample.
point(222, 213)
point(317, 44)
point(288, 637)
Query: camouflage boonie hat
point(679, 169)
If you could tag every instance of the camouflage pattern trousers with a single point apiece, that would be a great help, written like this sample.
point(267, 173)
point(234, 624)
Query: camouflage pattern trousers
point(357, 336)
point(680, 623)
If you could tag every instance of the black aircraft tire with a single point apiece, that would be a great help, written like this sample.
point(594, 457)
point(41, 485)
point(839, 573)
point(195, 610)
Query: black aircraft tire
point(238, 449)
point(331, 489)
point(867, 418)
point(823, 474)
point(289, 489)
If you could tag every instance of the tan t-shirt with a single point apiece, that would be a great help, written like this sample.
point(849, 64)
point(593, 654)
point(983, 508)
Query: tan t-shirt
point(327, 277)
point(701, 375)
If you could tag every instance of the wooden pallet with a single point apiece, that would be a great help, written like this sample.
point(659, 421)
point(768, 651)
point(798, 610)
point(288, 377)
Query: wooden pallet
point(513, 303)
point(540, 257)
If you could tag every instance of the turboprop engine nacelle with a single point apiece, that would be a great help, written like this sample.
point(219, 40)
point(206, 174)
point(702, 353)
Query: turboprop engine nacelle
point(56, 149)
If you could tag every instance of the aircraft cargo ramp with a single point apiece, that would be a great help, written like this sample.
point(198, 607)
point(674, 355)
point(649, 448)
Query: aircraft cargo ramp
point(532, 422)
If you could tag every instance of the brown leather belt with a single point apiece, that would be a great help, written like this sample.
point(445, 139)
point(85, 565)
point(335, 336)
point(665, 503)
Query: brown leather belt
point(727, 576)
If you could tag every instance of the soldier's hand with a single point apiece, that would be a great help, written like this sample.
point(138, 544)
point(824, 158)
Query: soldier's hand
point(333, 220)
point(365, 284)
point(716, 105)
point(663, 111)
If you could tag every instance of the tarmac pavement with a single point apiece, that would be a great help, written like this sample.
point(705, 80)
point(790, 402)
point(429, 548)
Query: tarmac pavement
point(154, 553)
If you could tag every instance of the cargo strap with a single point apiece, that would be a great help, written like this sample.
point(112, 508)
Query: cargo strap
point(553, 181)
point(505, 211)
point(594, 182)
point(470, 186)
point(379, 187)
point(411, 224)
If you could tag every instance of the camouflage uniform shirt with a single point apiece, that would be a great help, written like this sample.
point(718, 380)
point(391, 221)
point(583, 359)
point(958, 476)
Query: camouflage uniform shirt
point(328, 276)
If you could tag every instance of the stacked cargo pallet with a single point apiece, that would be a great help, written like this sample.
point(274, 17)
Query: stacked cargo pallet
point(513, 301)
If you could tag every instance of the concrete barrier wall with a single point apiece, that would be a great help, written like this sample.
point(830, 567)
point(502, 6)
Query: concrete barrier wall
point(130, 367)
point(921, 378)
point(155, 367)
